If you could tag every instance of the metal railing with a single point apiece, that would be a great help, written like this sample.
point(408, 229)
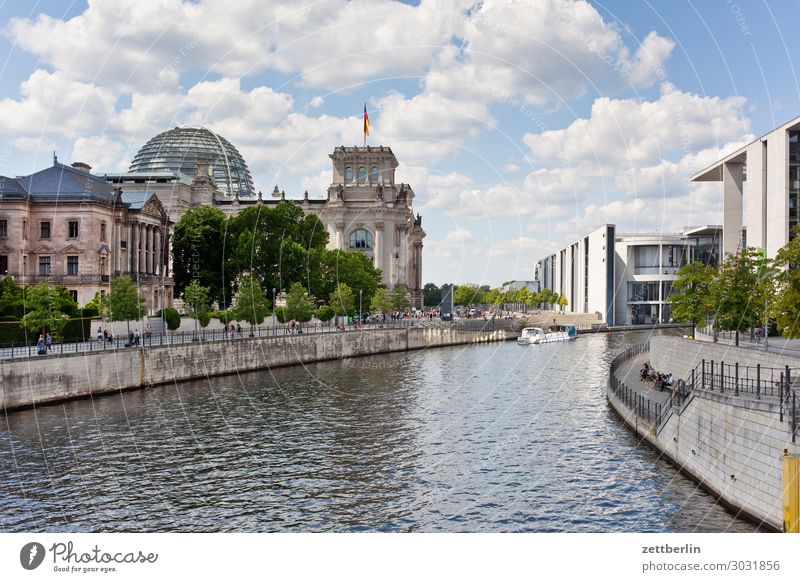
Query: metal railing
point(756, 382)
point(641, 405)
point(122, 342)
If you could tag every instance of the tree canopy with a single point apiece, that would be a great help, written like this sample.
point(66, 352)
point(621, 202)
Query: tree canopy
point(198, 251)
point(299, 304)
point(44, 309)
point(342, 299)
point(431, 295)
point(691, 297)
point(125, 302)
point(400, 298)
point(735, 297)
point(252, 305)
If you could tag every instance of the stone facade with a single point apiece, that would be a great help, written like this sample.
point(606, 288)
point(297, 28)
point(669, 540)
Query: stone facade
point(364, 209)
point(70, 227)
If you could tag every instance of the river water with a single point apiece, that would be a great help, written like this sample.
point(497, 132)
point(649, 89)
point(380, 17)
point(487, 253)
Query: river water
point(489, 438)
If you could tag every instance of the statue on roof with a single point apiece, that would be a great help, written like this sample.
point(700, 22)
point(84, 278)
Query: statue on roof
point(379, 193)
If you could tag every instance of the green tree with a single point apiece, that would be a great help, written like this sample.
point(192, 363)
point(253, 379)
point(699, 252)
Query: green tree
point(736, 298)
point(252, 305)
point(43, 310)
point(400, 299)
point(562, 302)
point(198, 247)
point(381, 302)
point(522, 297)
point(691, 297)
point(784, 289)
point(329, 268)
point(325, 313)
point(11, 297)
point(431, 295)
point(299, 304)
point(99, 302)
point(125, 302)
point(171, 317)
point(281, 314)
point(196, 301)
point(342, 299)
point(492, 297)
point(466, 295)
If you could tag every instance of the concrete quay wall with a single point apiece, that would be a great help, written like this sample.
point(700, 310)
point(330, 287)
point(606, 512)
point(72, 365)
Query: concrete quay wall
point(55, 378)
point(680, 356)
point(732, 446)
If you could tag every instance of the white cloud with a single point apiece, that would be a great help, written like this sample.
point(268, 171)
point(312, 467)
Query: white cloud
point(523, 247)
point(52, 104)
point(622, 132)
point(453, 244)
point(102, 153)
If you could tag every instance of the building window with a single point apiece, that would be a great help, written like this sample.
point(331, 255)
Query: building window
point(348, 175)
point(24, 230)
point(3, 265)
point(3, 227)
point(373, 175)
point(102, 231)
point(44, 266)
point(74, 294)
point(72, 228)
point(72, 265)
point(360, 239)
point(45, 229)
point(640, 292)
point(362, 174)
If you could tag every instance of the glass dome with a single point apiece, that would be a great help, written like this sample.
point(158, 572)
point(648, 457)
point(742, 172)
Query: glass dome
point(179, 150)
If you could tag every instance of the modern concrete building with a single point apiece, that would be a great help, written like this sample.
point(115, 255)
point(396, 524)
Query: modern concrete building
point(70, 227)
point(364, 208)
point(625, 278)
point(761, 190)
point(583, 272)
point(532, 286)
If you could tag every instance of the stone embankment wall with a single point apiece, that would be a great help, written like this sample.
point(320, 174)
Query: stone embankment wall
point(680, 356)
point(732, 445)
point(54, 378)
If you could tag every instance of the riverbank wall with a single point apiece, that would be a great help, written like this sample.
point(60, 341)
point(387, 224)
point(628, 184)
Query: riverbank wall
point(731, 445)
point(55, 378)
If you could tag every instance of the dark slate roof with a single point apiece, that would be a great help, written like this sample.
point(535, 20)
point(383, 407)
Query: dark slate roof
point(60, 183)
point(136, 200)
point(11, 189)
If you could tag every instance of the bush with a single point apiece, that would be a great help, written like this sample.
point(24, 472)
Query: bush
point(171, 316)
point(280, 313)
point(326, 313)
point(224, 317)
point(89, 312)
point(78, 329)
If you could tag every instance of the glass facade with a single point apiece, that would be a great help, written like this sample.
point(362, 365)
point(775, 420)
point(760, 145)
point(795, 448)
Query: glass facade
point(644, 291)
point(180, 149)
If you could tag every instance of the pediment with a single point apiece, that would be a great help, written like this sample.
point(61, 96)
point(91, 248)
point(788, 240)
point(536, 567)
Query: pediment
point(44, 250)
point(153, 207)
point(4, 247)
point(103, 249)
point(71, 249)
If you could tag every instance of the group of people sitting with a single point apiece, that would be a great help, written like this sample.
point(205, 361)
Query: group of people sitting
point(660, 380)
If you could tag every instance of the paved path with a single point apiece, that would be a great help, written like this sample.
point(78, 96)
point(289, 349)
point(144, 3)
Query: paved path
point(628, 373)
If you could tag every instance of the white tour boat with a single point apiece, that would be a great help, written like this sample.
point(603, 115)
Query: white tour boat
point(555, 333)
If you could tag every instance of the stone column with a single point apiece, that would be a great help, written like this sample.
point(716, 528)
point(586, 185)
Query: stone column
point(150, 250)
point(340, 235)
point(158, 255)
point(379, 245)
point(732, 179)
point(133, 248)
point(142, 235)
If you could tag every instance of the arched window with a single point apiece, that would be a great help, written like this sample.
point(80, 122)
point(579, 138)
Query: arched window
point(360, 239)
point(362, 174)
point(348, 175)
point(373, 175)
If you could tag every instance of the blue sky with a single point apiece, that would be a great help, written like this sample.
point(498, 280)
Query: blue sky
point(521, 125)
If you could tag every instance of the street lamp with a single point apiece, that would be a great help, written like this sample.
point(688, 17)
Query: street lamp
point(360, 315)
point(273, 311)
point(766, 307)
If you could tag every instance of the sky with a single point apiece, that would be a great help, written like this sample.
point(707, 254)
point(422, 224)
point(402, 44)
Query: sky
point(521, 124)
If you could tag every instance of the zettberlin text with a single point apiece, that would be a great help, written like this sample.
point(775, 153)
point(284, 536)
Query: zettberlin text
point(665, 549)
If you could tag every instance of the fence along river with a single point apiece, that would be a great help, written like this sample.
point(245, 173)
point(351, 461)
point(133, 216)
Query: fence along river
point(484, 438)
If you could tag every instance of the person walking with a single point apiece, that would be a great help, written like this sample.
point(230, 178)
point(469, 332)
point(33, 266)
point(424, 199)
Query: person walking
point(136, 337)
point(48, 341)
point(40, 346)
point(99, 334)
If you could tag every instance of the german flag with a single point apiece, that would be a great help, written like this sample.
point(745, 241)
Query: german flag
point(366, 121)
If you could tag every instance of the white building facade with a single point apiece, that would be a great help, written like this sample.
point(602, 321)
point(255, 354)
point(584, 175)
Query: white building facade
point(626, 279)
point(760, 188)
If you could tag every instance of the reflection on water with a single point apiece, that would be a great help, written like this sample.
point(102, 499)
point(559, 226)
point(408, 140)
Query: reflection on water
point(496, 437)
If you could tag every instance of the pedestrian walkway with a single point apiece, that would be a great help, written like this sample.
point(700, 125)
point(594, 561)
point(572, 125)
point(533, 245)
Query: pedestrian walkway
point(628, 374)
point(776, 344)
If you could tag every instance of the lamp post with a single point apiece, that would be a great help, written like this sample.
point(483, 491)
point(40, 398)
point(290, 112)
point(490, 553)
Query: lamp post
point(766, 307)
point(273, 311)
point(360, 315)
